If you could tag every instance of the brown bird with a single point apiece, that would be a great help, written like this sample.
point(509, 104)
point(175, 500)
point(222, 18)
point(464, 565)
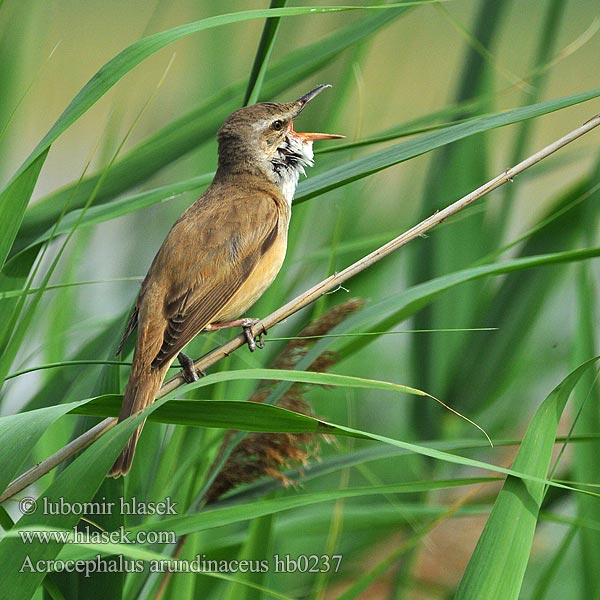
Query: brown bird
point(222, 253)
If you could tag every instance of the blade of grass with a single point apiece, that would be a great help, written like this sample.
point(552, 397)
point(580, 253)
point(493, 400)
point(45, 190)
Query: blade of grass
point(585, 406)
point(258, 543)
point(544, 584)
point(498, 564)
point(13, 201)
point(20, 433)
point(261, 59)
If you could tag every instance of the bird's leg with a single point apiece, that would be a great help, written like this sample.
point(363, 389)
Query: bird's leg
point(187, 368)
point(246, 325)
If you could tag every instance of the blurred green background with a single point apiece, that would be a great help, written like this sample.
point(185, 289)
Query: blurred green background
point(406, 73)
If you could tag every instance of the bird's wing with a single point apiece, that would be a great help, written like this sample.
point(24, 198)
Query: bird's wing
point(225, 245)
point(131, 325)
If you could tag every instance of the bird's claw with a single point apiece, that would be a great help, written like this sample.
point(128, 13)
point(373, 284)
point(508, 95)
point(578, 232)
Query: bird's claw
point(187, 368)
point(260, 338)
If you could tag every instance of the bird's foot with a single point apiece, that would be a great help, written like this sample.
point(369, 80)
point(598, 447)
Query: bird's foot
point(187, 368)
point(253, 342)
point(246, 325)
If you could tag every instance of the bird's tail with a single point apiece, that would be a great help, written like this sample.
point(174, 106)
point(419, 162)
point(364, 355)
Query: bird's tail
point(140, 392)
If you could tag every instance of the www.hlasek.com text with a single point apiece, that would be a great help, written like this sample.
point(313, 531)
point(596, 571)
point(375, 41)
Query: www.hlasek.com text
point(85, 535)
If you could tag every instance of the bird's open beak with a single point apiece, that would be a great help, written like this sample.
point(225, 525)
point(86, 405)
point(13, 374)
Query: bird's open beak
point(311, 137)
point(304, 100)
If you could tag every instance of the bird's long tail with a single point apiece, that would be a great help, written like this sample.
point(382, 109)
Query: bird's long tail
point(140, 392)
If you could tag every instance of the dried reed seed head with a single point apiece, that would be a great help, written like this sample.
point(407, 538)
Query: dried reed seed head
point(268, 454)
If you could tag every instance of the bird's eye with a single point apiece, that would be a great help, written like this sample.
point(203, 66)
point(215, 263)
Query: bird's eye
point(277, 125)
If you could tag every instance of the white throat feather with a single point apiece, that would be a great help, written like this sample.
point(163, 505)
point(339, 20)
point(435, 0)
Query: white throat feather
point(290, 161)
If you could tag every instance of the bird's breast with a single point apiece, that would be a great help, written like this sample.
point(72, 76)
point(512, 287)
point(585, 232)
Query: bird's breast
point(288, 184)
point(259, 279)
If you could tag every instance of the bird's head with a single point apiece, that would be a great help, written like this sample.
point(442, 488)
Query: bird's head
point(260, 139)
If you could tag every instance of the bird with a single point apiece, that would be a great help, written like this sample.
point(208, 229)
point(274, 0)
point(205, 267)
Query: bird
point(222, 253)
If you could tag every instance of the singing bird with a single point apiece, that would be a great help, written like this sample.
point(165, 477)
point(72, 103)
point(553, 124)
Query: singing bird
point(222, 253)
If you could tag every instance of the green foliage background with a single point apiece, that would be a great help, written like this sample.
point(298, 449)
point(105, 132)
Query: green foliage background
point(494, 312)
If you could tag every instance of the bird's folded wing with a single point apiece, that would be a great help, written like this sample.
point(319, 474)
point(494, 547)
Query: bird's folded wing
point(221, 270)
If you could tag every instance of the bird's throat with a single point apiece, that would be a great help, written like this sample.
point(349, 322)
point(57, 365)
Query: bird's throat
point(292, 157)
